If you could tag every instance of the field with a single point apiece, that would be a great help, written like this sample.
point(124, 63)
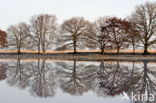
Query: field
point(86, 51)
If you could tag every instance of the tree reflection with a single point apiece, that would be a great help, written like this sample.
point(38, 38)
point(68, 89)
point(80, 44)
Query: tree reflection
point(104, 78)
point(44, 80)
point(19, 73)
point(146, 85)
point(114, 79)
point(3, 69)
point(75, 78)
point(38, 76)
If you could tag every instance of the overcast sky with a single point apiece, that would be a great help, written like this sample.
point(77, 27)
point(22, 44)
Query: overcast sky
point(15, 11)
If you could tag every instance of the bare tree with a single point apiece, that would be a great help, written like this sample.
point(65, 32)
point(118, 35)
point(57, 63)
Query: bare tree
point(43, 29)
point(76, 33)
point(143, 19)
point(18, 36)
point(102, 38)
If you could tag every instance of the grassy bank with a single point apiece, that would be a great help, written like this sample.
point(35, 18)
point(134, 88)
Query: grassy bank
point(81, 56)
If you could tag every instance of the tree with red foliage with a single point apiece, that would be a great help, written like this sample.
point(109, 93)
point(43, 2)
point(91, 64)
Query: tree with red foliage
point(3, 39)
point(118, 32)
point(104, 39)
point(133, 38)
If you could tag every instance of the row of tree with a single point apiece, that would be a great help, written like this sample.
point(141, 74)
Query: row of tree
point(107, 33)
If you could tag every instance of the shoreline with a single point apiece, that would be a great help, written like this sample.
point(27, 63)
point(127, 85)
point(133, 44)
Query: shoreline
point(81, 56)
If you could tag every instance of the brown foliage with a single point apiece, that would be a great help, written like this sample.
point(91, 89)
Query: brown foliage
point(2, 71)
point(3, 38)
point(133, 38)
point(102, 38)
point(116, 32)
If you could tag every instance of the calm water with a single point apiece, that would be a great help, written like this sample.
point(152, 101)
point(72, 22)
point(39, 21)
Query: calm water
point(49, 81)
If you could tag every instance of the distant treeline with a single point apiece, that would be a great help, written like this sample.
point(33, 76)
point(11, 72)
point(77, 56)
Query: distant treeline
point(107, 33)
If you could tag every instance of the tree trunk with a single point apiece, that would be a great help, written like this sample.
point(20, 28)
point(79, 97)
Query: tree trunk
point(102, 51)
point(44, 51)
point(145, 46)
point(133, 49)
point(43, 47)
point(39, 43)
point(145, 49)
point(118, 50)
point(18, 50)
point(75, 47)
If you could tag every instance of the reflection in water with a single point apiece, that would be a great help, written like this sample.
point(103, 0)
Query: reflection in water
point(18, 74)
point(3, 68)
point(104, 78)
point(38, 76)
point(114, 78)
point(43, 82)
point(75, 78)
point(146, 85)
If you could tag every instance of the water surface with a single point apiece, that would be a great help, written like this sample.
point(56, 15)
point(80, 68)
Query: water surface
point(45, 81)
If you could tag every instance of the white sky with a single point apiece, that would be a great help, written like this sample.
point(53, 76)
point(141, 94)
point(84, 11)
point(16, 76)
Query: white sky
point(15, 11)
